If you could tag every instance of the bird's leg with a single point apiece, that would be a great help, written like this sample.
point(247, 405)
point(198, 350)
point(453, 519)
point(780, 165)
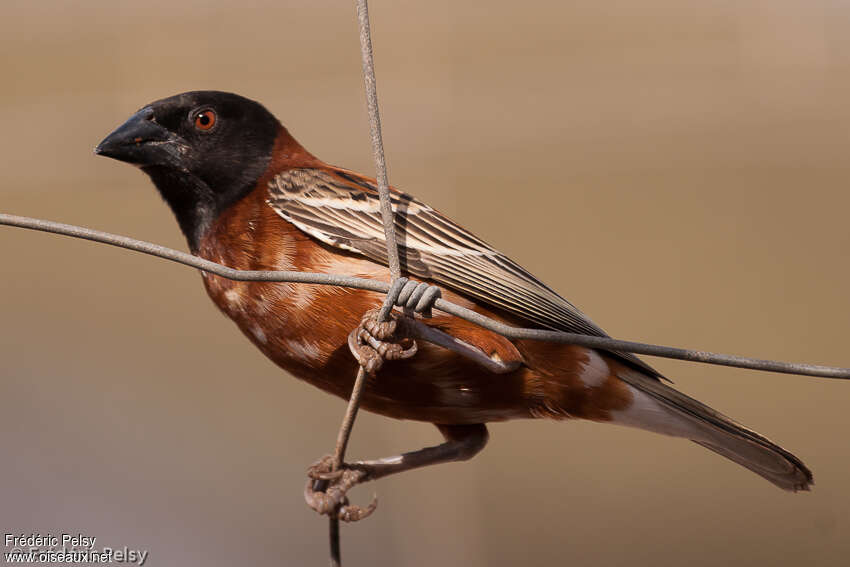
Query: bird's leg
point(462, 443)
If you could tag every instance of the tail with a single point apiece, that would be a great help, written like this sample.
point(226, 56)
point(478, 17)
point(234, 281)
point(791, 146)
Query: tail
point(660, 408)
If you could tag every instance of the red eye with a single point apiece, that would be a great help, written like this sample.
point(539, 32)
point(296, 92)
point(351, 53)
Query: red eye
point(205, 120)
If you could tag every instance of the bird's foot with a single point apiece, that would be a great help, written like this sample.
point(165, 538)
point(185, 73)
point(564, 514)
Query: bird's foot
point(374, 341)
point(326, 490)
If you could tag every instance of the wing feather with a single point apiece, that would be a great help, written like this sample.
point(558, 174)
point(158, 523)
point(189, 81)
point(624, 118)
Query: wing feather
point(342, 209)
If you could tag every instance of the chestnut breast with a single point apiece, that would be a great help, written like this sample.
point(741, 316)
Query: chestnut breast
point(304, 328)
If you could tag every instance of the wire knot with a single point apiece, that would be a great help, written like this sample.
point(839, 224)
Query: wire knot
point(410, 295)
point(375, 341)
point(417, 297)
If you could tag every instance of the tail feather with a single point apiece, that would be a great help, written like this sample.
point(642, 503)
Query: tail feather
point(669, 411)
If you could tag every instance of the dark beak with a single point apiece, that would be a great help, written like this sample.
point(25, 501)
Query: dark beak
point(141, 141)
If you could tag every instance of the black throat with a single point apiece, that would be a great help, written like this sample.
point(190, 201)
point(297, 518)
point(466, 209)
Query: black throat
point(198, 199)
point(195, 205)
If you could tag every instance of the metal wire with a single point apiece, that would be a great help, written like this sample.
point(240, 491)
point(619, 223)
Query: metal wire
point(603, 343)
point(368, 63)
point(342, 438)
point(375, 134)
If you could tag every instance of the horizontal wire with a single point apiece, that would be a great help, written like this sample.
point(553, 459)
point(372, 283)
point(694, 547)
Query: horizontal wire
point(604, 343)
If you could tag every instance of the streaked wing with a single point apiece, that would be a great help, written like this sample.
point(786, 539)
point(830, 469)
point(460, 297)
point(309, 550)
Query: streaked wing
point(342, 209)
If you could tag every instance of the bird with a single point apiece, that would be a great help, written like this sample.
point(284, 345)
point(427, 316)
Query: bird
point(247, 195)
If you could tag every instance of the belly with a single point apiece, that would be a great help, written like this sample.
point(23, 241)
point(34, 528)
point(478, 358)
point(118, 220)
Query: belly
point(304, 330)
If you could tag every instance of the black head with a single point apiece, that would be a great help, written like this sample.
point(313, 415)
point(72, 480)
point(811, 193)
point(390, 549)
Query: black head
point(203, 150)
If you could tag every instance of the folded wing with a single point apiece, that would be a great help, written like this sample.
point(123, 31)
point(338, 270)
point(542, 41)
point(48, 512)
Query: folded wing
point(342, 209)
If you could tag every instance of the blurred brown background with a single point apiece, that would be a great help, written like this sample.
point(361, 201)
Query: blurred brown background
point(683, 174)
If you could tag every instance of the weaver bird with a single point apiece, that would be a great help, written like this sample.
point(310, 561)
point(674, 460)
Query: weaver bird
point(247, 195)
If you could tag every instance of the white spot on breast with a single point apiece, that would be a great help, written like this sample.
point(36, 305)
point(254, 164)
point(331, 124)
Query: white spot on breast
point(595, 371)
point(302, 296)
point(304, 350)
point(259, 334)
point(284, 258)
point(264, 302)
point(233, 297)
point(261, 303)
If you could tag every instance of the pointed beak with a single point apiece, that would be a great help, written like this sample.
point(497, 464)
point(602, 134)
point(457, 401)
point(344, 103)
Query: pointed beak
point(141, 141)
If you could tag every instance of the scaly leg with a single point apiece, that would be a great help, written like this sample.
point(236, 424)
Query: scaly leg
point(462, 443)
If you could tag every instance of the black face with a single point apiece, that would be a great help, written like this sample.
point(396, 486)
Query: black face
point(203, 150)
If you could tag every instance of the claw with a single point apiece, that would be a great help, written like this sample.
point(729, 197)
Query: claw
point(379, 329)
point(333, 500)
point(326, 476)
point(321, 468)
point(354, 513)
